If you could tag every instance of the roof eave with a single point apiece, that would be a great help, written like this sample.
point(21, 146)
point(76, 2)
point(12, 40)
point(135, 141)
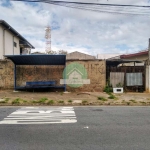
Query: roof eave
point(6, 25)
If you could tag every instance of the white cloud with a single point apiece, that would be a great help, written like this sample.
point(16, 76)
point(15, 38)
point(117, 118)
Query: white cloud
point(79, 30)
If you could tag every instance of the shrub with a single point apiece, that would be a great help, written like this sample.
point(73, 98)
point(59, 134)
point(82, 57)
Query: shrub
point(108, 89)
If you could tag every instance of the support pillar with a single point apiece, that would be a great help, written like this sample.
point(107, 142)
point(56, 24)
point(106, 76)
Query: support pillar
point(15, 77)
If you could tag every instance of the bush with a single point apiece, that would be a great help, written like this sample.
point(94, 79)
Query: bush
point(108, 89)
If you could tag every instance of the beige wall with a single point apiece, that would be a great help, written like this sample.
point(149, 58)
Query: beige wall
point(79, 56)
point(7, 43)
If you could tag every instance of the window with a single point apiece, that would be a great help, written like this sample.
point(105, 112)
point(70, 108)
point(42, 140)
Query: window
point(15, 44)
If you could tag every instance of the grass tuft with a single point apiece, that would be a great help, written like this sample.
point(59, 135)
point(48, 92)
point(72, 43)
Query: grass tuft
point(133, 101)
point(50, 102)
point(128, 103)
point(61, 102)
point(111, 96)
point(84, 102)
point(70, 101)
point(16, 101)
point(101, 98)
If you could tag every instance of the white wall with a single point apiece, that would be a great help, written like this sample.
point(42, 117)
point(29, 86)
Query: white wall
point(1, 43)
point(9, 39)
point(16, 49)
point(10, 49)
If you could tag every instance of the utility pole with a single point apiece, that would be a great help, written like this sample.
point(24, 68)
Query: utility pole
point(149, 52)
point(148, 70)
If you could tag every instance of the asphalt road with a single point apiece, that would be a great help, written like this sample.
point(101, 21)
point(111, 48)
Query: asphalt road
point(97, 128)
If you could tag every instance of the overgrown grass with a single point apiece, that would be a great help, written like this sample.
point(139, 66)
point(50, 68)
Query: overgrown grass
point(70, 101)
point(128, 103)
point(16, 101)
point(142, 102)
point(61, 102)
point(133, 101)
point(101, 98)
point(84, 102)
point(5, 101)
point(111, 96)
point(41, 101)
point(50, 102)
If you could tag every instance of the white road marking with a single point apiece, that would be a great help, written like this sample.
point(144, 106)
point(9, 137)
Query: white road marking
point(41, 115)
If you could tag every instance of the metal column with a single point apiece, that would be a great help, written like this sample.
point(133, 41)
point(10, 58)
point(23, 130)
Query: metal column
point(15, 77)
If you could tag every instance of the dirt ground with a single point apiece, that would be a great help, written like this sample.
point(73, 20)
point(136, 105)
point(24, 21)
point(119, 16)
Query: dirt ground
point(9, 97)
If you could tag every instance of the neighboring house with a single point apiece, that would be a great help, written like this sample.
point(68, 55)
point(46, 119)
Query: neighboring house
point(38, 53)
point(79, 56)
point(11, 42)
point(140, 56)
point(107, 56)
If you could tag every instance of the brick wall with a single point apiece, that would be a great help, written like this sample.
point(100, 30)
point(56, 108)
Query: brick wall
point(96, 71)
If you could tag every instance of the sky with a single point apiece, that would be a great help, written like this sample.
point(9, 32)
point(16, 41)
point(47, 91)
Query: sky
point(78, 30)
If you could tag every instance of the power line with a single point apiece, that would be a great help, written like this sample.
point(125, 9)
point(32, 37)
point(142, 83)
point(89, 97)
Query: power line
point(98, 7)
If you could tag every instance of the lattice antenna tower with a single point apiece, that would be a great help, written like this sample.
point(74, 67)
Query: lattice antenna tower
point(48, 39)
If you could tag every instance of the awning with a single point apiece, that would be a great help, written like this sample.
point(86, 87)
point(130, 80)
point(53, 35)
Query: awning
point(116, 62)
point(37, 59)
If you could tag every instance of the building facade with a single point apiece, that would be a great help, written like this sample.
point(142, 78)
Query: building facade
point(11, 42)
